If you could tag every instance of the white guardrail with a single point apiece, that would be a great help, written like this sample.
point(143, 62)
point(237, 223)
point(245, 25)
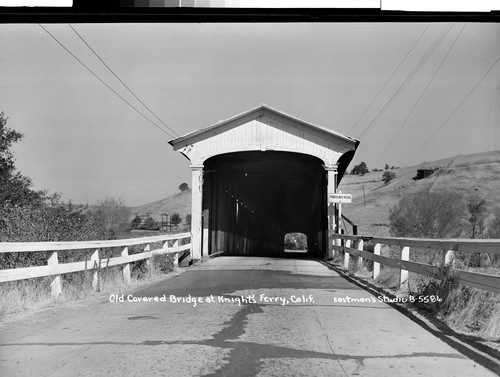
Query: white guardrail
point(56, 269)
point(353, 245)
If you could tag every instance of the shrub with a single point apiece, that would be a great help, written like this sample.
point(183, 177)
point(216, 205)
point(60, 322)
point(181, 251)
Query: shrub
point(112, 214)
point(183, 186)
point(52, 221)
point(388, 176)
point(360, 169)
point(176, 219)
point(136, 222)
point(150, 224)
point(295, 241)
point(428, 215)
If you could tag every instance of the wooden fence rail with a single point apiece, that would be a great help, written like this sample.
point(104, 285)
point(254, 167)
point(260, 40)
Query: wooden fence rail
point(170, 245)
point(341, 243)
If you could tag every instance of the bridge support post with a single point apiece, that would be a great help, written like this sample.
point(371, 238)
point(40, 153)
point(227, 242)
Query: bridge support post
point(196, 210)
point(331, 171)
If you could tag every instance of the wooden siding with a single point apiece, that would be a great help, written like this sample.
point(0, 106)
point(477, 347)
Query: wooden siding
point(266, 133)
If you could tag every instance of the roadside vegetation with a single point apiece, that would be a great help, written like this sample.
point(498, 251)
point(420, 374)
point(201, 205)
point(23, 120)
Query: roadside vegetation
point(447, 214)
point(29, 215)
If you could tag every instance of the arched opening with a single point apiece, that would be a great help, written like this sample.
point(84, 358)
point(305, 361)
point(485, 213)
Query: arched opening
point(252, 199)
point(295, 242)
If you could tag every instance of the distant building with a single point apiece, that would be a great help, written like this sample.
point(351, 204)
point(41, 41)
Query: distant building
point(424, 173)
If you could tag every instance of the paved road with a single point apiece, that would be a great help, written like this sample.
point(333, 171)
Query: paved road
point(258, 317)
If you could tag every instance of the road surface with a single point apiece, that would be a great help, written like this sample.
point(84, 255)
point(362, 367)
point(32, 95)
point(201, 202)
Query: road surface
point(232, 316)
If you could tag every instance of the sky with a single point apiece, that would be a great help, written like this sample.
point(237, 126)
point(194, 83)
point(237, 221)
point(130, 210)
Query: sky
point(410, 92)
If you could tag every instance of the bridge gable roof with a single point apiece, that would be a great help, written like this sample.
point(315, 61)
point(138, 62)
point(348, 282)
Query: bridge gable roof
point(264, 128)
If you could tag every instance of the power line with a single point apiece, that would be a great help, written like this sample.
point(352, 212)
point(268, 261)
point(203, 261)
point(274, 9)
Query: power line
point(454, 111)
point(110, 88)
point(421, 95)
point(412, 74)
point(116, 76)
point(389, 79)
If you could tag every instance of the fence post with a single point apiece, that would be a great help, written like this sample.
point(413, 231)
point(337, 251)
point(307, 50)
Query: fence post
point(149, 261)
point(126, 266)
point(449, 258)
point(176, 254)
point(376, 265)
point(96, 265)
point(329, 248)
point(338, 242)
point(360, 258)
point(55, 285)
point(346, 255)
point(403, 274)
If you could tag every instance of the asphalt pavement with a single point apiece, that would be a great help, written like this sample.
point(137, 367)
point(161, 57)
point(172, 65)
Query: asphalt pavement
point(232, 316)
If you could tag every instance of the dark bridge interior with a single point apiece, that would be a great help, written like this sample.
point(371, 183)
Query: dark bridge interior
point(252, 199)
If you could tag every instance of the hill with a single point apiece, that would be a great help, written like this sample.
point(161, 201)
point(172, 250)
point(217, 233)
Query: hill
point(177, 203)
point(465, 174)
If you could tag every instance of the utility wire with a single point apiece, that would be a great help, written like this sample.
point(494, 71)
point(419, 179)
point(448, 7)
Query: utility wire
point(412, 74)
point(103, 82)
point(116, 76)
point(423, 93)
point(389, 79)
point(454, 111)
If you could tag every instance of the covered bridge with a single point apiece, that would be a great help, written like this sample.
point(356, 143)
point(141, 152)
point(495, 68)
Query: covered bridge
point(260, 175)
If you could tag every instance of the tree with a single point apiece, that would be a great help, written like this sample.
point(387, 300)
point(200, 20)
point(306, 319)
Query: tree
point(8, 137)
point(183, 186)
point(494, 225)
point(188, 219)
point(477, 215)
point(388, 176)
point(15, 188)
point(27, 215)
point(386, 167)
point(176, 219)
point(112, 214)
point(136, 221)
point(360, 169)
point(150, 224)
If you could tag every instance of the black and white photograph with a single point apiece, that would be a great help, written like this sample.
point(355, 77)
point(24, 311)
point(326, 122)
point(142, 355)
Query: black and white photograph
point(249, 197)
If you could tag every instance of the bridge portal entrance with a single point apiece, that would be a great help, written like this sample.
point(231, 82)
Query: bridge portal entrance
point(252, 199)
point(260, 175)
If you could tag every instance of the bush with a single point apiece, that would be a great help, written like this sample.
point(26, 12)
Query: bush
point(360, 169)
point(112, 214)
point(183, 186)
point(176, 219)
point(136, 222)
point(428, 215)
point(388, 176)
point(150, 224)
point(295, 241)
point(52, 221)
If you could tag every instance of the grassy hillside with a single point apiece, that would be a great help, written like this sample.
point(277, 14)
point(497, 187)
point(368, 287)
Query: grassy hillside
point(178, 203)
point(466, 174)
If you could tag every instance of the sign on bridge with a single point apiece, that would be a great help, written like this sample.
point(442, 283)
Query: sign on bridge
point(339, 198)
